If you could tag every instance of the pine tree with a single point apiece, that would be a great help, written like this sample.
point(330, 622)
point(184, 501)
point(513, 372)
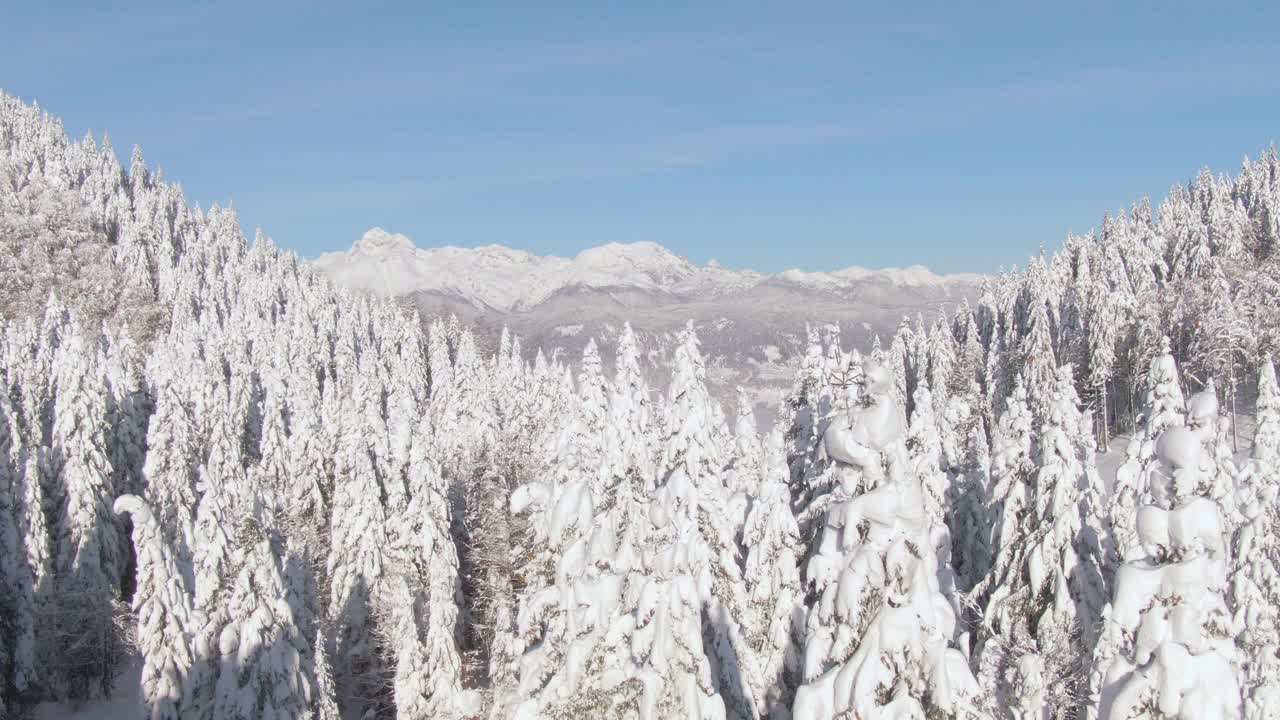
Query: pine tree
point(942, 383)
point(589, 416)
point(747, 464)
point(309, 487)
point(1012, 472)
point(260, 649)
point(629, 454)
point(162, 602)
point(802, 418)
point(776, 633)
point(560, 512)
point(677, 675)
point(925, 457)
point(273, 472)
point(1266, 437)
point(1166, 644)
point(129, 409)
point(423, 597)
point(172, 457)
point(971, 549)
point(1046, 589)
point(878, 637)
point(1165, 408)
point(18, 670)
point(357, 558)
point(81, 631)
point(491, 648)
point(1217, 461)
point(693, 502)
point(1254, 596)
point(212, 568)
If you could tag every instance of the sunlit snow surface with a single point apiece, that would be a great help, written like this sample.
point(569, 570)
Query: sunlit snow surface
point(505, 279)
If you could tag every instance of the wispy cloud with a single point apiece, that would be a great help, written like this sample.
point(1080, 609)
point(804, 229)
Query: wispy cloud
point(450, 75)
point(452, 165)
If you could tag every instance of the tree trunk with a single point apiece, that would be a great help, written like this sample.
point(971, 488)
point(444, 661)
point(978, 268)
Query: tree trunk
point(1231, 381)
point(1106, 435)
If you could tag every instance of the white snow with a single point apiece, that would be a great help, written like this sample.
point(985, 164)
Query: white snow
point(500, 278)
point(125, 703)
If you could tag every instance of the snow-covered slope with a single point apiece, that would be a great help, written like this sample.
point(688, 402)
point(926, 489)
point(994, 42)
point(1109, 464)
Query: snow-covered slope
point(493, 277)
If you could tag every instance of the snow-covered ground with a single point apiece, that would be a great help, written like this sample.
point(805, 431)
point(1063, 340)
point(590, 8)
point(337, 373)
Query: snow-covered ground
point(1113, 458)
point(125, 703)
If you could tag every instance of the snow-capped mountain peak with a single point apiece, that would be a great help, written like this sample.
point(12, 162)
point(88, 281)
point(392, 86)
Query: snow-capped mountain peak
point(377, 240)
point(494, 277)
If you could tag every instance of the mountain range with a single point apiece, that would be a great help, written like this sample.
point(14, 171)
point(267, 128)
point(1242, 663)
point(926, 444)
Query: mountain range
point(752, 324)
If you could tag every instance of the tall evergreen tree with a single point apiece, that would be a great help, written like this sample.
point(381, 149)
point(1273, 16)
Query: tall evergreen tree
point(162, 602)
point(692, 509)
point(81, 633)
point(1165, 645)
point(878, 638)
point(1046, 589)
point(1165, 408)
point(776, 633)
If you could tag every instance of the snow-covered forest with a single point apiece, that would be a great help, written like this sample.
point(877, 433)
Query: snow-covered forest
point(285, 500)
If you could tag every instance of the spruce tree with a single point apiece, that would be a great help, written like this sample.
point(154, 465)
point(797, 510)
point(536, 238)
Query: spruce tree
point(81, 633)
point(357, 560)
point(1164, 408)
point(1254, 597)
point(1166, 642)
point(423, 599)
point(262, 653)
point(18, 669)
point(772, 539)
point(162, 603)
point(878, 639)
point(1046, 589)
point(692, 508)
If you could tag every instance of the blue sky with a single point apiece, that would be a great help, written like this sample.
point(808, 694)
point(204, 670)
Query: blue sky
point(768, 135)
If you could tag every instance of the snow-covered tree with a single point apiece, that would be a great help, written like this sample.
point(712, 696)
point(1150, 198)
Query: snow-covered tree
point(802, 418)
point(1254, 596)
point(629, 452)
point(1046, 587)
point(1266, 437)
point(261, 652)
point(18, 670)
point(747, 463)
point(173, 449)
point(693, 507)
point(776, 633)
point(925, 456)
point(80, 631)
point(422, 599)
point(1165, 408)
point(1166, 647)
point(162, 602)
point(561, 514)
point(1217, 461)
point(878, 638)
point(488, 568)
point(1012, 471)
point(677, 676)
point(593, 413)
point(357, 559)
point(971, 550)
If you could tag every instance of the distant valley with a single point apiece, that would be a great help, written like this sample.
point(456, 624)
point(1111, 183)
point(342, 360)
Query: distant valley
point(752, 325)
